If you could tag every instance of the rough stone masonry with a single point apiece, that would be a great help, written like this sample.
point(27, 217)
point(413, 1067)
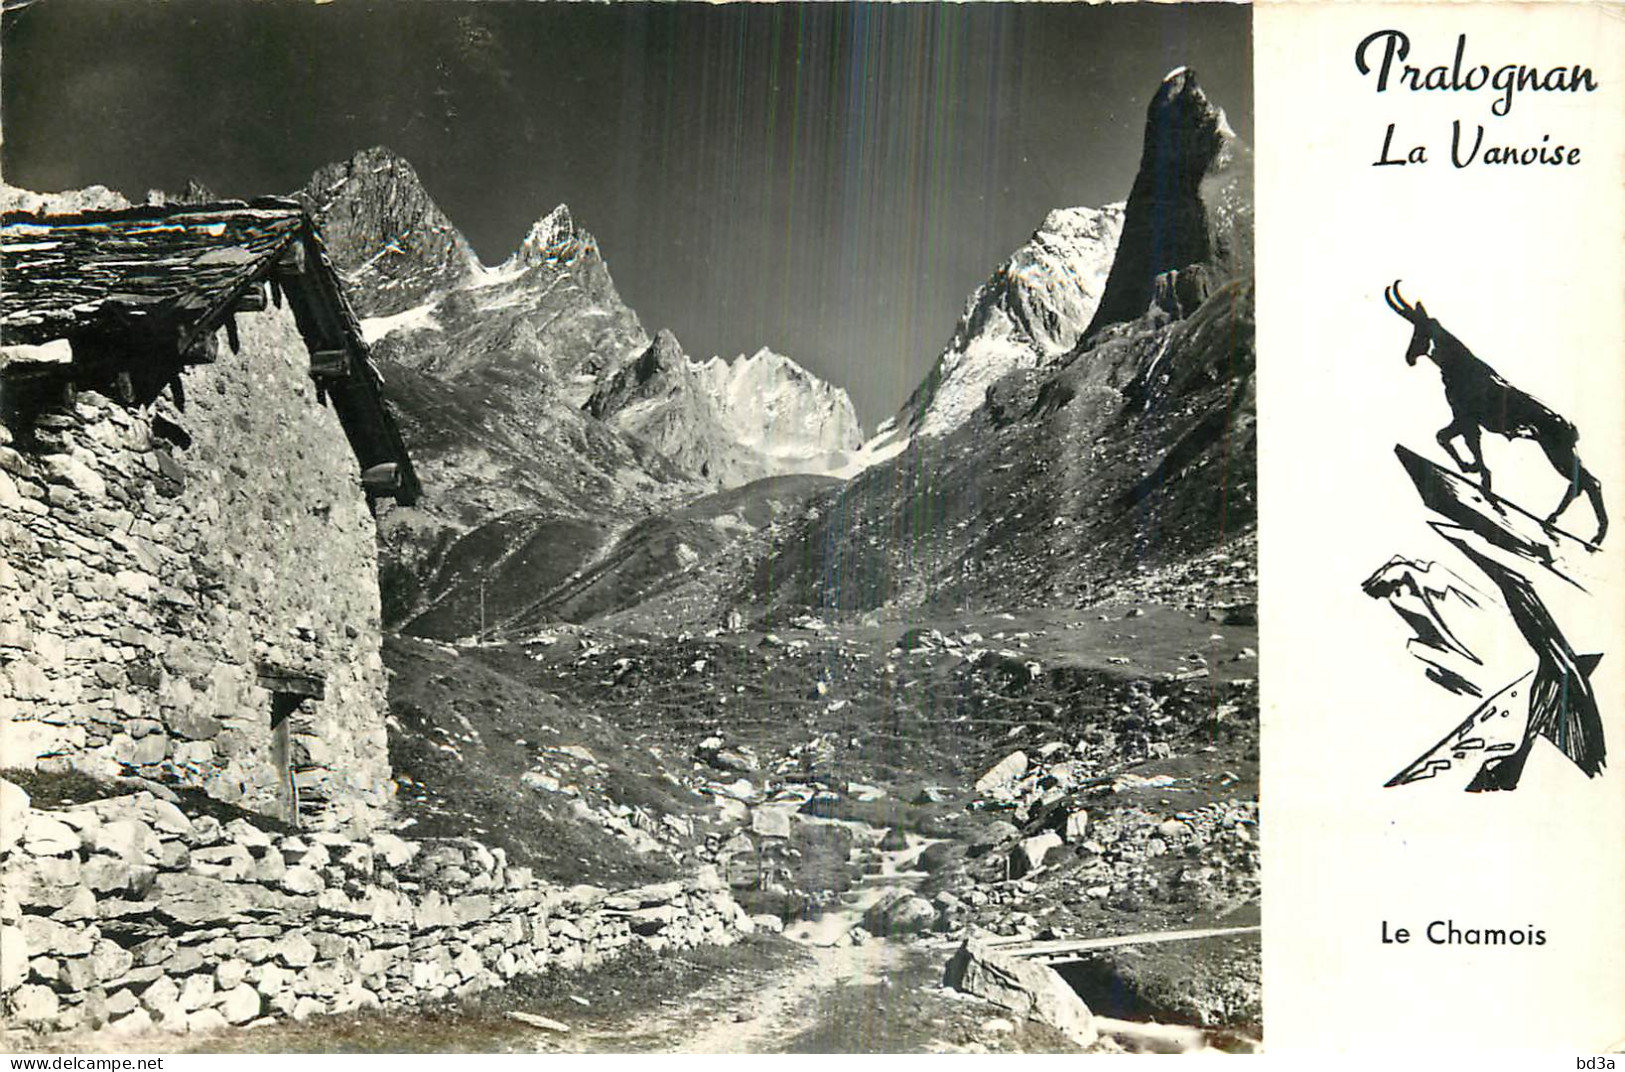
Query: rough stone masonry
point(157, 567)
point(189, 598)
point(125, 913)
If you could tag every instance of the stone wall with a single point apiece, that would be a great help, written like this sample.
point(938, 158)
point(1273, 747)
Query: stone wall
point(154, 561)
point(127, 914)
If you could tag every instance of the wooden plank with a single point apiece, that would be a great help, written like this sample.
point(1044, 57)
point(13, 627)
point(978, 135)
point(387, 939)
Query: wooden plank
point(198, 347)
point(281, 679)
point(251, 300)
point(1059, 951)
point(329, 364)
point(292, 260)
point(382, 479)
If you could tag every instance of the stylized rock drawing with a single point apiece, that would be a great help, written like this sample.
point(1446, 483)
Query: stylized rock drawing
point(1428, 596)
point(1554, 699)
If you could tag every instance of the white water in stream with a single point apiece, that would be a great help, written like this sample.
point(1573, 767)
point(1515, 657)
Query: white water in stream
point(896, 872)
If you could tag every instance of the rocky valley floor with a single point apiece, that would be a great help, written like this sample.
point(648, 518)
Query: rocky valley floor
point(876, 789)
point(872, 790)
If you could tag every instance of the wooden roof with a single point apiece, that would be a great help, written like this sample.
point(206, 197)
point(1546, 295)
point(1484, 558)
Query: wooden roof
point(141, 293)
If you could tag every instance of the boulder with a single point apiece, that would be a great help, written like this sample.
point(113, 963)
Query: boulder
point(130, 840)
point(940, 855)
point(122, 1002)
point(45, 836)
point(246, 834)
point(240, 1004)
point(1028, 856)
point(13, 958)
point(197, 992)
point(162, 996)
point(899, 912)
point(1173, 830)
point(230, 974)
point(270, 979)
point(136, 1022)
point(392, 850)
point(295, 951)
point(34, 1004)
point(733, 761)
point(13, 812)
point(990, 836)
point(770, 822)
point(110, 960)
point(1076, 827)
point(194, 724)
point(166, 818)
point(920, 639)
point(303, 881)
point(44, 882)
point(204, 1020)
point(1024, 987)
point(230, 862)
point(1003, 774)
point(194, 899)
point(742, 790)
point(48, 937)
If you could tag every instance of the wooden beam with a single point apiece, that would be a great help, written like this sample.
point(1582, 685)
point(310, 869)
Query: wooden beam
point(281, 679)
point(1062, 951)
point(202, 349)
point(330, 364)
point(251, 300)
point(383, 479)
point(292, 259)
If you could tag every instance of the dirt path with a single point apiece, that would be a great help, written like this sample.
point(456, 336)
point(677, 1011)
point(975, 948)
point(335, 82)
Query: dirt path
point(836, 995)
point(773, 1017)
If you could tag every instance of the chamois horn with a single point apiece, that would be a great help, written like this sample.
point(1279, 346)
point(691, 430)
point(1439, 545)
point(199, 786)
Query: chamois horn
point(1396, 301)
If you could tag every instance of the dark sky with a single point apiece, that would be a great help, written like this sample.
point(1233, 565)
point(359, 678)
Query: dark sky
point(831, 180)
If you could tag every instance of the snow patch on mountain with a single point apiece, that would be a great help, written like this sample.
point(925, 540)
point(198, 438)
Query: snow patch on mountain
point(60, 203)
point(1033, 309)
point(417, 318)
point(731, 421)
point(776, 407)
point(385, 232)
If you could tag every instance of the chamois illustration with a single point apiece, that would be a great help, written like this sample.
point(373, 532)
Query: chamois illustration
point(1481, 401)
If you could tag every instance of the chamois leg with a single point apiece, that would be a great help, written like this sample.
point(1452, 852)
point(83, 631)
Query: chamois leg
point(1593, 490)
point(1445, 436)
point(1564, 459)
point(1472, 437)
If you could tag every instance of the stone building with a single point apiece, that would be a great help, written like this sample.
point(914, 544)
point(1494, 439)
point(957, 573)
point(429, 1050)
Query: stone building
point(192, 443)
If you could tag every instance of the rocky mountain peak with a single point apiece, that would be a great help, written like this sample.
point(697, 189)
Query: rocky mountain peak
point(776, 406)
point(386, 233)
point(730, 421)
point(665, 354)
point(1185, 208)
point(643, 378)
point(1032, 309)
point(553, 238)
point(95, 198)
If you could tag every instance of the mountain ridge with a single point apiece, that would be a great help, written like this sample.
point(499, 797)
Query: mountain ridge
point(1031, 310)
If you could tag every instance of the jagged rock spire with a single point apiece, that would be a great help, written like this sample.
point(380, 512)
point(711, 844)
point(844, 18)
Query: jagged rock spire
point(385, 231)
point(1170, 222)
